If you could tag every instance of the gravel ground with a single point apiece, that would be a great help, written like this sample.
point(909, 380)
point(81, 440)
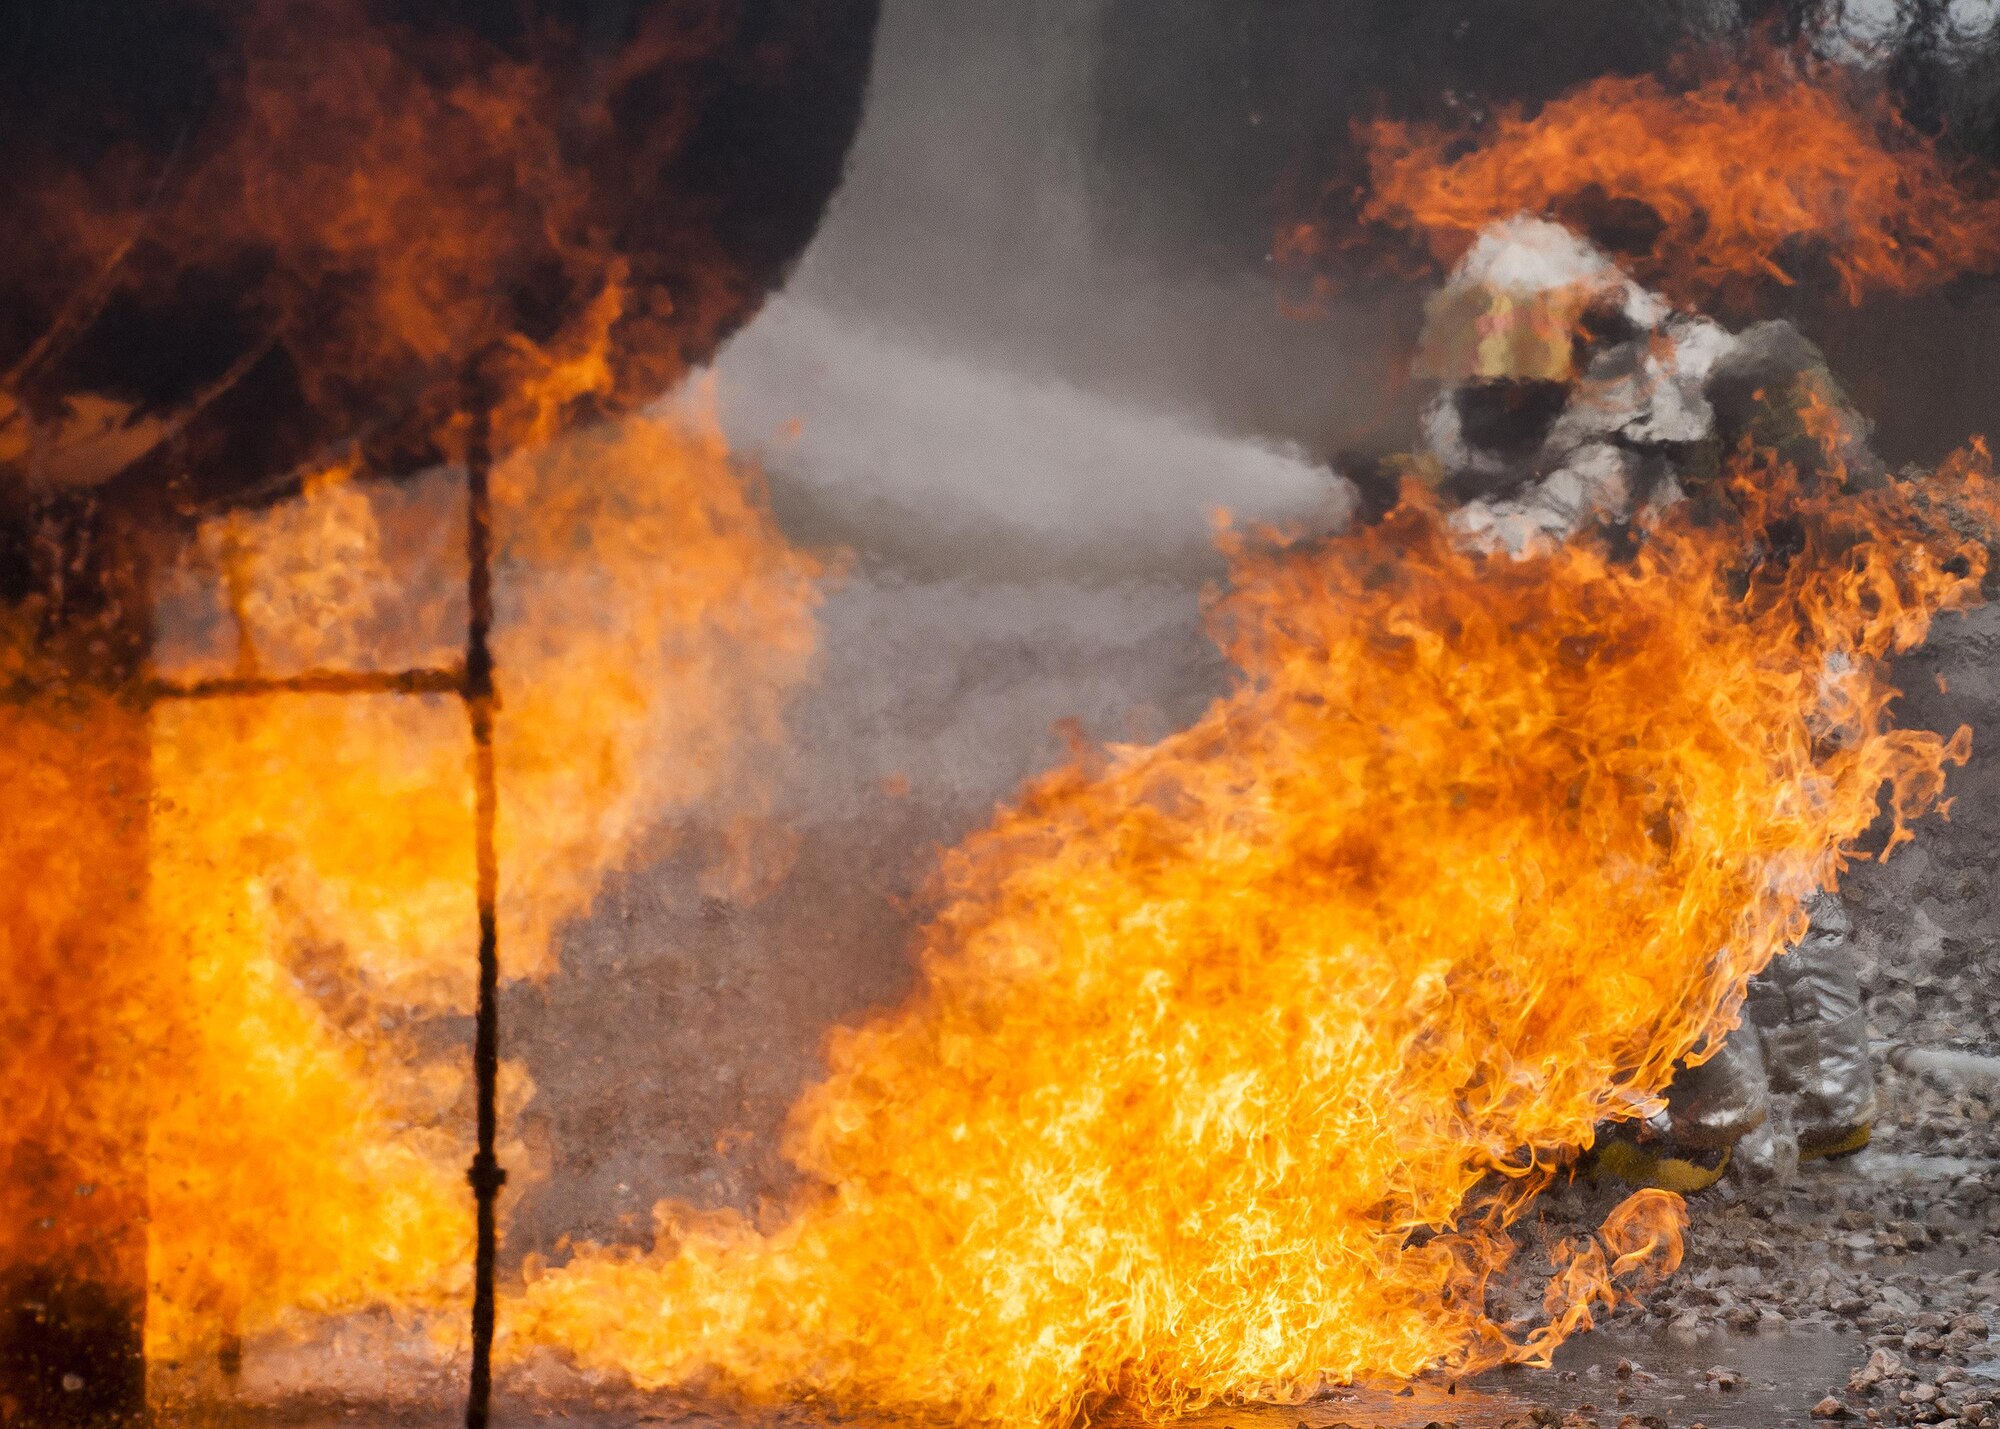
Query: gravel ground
point(1893, 1254)
point(1890, 1255)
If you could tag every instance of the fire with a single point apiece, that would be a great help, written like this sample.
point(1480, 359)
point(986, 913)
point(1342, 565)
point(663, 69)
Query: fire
point(380, 222)
point(244, 1020)
point(1236, 1056)
point(266, 1010)
point(1714, 186)
point(71, 772)
point(312, 866)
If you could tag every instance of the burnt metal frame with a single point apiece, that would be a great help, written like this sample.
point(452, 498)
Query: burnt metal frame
point(472, 682)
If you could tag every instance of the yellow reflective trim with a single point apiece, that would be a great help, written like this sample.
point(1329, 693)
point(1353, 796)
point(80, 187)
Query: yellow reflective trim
point(1844, 1143)
point(1640, 1167)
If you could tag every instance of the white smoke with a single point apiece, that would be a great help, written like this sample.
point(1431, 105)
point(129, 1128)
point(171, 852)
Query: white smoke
point(953, 466)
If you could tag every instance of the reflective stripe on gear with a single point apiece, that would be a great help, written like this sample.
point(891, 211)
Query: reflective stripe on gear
point(1681, 1170)
point(1832, 1145)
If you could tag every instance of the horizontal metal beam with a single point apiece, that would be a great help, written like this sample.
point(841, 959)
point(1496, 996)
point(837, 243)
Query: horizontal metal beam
point(445, 681)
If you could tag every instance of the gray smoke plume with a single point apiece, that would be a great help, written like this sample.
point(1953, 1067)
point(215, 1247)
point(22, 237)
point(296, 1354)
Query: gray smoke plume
point(1017, 439)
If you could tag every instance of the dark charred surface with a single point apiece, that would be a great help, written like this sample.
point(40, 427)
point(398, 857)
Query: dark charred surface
point(70, 1351)
point(695, 145)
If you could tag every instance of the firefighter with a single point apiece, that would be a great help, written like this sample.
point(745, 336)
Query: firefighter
point(1570, 396)
point(1803, 1035)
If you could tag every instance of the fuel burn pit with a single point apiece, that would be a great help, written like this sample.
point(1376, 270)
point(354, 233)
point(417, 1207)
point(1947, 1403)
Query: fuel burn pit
point(742, 712)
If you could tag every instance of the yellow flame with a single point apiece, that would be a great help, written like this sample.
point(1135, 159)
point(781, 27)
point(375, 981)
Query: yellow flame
point(1236, 1055)
point(312, 864)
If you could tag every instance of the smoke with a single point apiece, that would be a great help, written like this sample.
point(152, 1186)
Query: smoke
point(989, 204)
point(938, 465)
point(1020, 440)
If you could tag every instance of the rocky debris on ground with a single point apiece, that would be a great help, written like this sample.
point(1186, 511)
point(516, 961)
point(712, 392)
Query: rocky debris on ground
point(1899, 1246)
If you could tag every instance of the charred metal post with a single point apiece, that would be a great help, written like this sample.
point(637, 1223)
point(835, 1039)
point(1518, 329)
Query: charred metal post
point(486, 1174)
point(473, 683)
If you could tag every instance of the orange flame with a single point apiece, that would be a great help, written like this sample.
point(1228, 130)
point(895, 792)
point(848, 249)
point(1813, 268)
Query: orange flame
point(394, 216)
point(232, 988)
point(74, 776)
point(1741, 176)
point(1236, 1056)
point(312, 865)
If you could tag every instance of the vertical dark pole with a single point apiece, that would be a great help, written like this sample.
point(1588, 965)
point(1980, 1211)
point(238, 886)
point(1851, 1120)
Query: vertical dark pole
point(486, 1176)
